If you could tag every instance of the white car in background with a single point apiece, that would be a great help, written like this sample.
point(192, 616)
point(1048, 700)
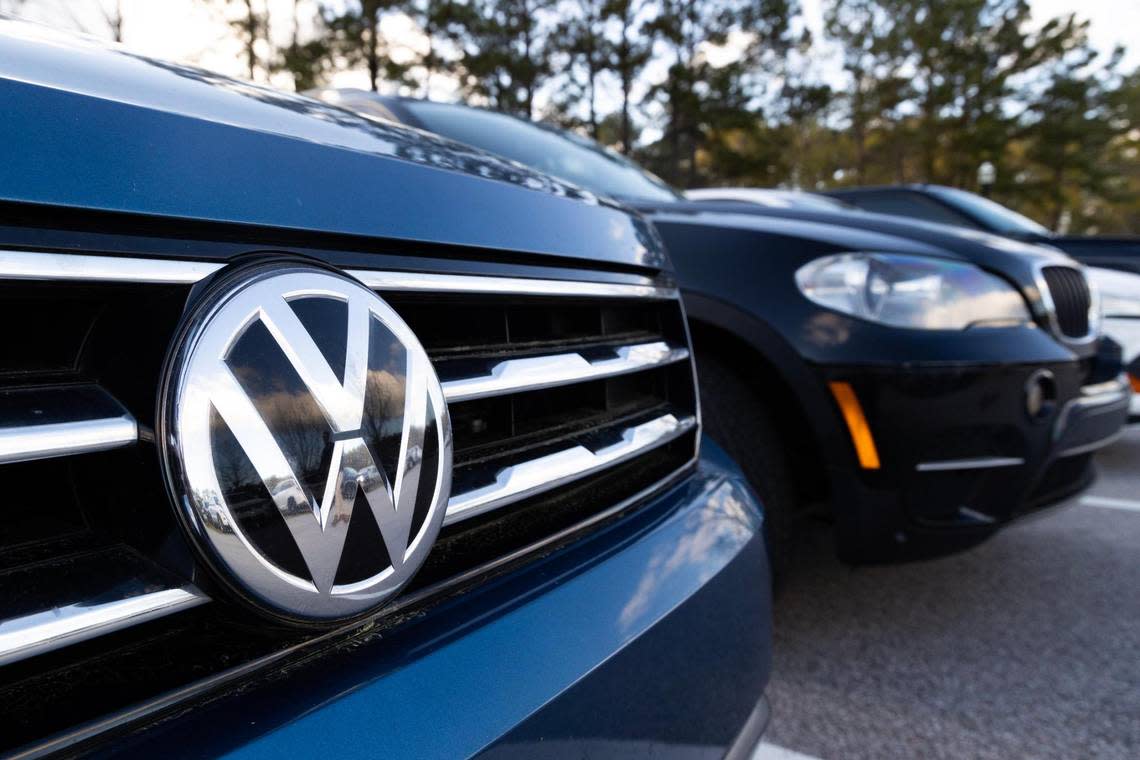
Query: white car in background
point(1120, 303)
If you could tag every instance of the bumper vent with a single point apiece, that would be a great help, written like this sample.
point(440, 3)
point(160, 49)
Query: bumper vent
point(1072, 300)
point(568, 400)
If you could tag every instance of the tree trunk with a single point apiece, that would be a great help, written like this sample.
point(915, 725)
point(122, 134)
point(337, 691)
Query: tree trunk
point(674, 136)
point(626, 72)
point(592, 77)
point(115, 21)
point(592, 68)
point(372, 25)
point(859, 128)
point(528, 86)
point(251, 39)
point(296, 25)
point(429, 58)
point(1058, 197)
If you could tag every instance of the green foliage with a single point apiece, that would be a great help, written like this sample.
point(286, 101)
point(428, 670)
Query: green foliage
point(936, 87)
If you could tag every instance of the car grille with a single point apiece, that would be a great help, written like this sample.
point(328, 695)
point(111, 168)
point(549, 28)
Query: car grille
point(1072, 300)
point(569, 400)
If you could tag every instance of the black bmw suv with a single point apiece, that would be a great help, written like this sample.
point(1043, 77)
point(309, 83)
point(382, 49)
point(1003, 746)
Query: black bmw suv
point(923, 385)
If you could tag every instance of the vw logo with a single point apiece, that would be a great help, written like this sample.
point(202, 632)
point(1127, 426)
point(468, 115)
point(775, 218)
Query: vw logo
point(306, 441)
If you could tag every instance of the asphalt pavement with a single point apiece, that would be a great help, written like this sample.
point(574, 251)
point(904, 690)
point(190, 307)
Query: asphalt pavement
point(1027, 646)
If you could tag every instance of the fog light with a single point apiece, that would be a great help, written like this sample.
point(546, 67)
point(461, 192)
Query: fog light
point(1040, 394)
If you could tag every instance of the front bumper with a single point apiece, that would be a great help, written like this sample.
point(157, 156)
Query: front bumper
point(1094, 418)
point(1126, 332)
point(650, 637)
point(961, 454)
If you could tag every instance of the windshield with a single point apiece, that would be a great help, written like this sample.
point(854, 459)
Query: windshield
point(995, 217)
point(560, 153)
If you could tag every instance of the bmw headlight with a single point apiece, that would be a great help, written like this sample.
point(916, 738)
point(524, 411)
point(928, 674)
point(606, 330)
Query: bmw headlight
point(911, 291)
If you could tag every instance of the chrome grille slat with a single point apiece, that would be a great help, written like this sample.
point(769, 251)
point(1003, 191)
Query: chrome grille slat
point(40, 423)
point(71, 267)
point(522, 480)
point(539, 372)
point(62, 626)
point(522, 286)
point(34, 265)
point(87, 595)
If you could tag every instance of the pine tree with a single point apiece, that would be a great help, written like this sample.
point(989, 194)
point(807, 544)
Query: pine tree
point(1073, 123)
point(629, 53)
point(505, 52)
point(307, 61)
point(580, 38)
point(700, 94)
point(355, 35)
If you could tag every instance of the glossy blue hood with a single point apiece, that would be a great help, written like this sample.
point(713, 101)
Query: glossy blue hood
point(92, 127)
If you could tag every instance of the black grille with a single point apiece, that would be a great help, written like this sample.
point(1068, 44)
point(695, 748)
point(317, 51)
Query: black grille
point(1071, 299)
point(92, 523)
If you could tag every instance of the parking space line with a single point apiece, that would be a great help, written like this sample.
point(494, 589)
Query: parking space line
point(768, 751)
point(1106, 502)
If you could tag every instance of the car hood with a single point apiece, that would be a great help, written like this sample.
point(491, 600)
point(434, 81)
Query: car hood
point(862, 231)
point(1098, 245)
point(97, 127)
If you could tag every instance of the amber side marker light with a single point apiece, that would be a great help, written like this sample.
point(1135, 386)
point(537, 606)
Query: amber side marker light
point(1134, 382)
point(856, 424)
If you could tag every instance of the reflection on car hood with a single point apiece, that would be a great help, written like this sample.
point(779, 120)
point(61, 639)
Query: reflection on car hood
point(64, 93)
point(92, 68)
point(861, 230)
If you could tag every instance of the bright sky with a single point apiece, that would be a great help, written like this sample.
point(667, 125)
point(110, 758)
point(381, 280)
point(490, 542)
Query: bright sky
point(197, 32)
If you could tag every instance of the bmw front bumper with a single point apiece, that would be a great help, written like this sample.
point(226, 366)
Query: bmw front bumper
point(963, 454)
point(649, 637)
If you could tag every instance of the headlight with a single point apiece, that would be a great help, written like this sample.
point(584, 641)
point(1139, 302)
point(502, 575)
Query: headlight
point(911, 291)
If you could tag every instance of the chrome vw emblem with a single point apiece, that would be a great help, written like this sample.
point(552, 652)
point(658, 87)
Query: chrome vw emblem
point(306, 441)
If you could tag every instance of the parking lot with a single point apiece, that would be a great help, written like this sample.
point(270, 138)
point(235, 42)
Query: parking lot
point(1027, 646)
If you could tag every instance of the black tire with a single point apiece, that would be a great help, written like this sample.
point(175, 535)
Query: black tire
point(735, 418)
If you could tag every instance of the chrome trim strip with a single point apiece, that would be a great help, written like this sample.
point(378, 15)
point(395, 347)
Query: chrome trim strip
point(41, 632)
point(61, 439)
point(536, 476)
point(32, 265)
point(747, 743)
point(976, 516)
point(537, 372)
point(522, 286)
point(1106, 392)
point(58, 421)
point(1101, 398)
point(36, 265)
point(1108, 395)
point(1086, 448)
point(979, 463)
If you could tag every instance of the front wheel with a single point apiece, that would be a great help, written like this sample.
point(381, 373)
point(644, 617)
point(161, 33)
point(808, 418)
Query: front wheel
point(734, 417)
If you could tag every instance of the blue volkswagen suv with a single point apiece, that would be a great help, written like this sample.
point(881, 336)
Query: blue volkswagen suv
point(321, 435)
